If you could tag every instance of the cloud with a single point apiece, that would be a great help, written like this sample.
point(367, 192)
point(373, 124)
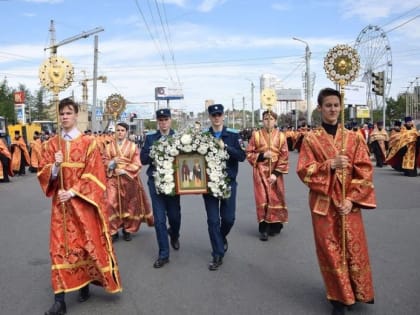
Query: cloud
point(209, 5)
point(371, 10)
point(280, 6)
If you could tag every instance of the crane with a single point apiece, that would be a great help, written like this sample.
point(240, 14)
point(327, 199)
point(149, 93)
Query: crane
point(53, 46)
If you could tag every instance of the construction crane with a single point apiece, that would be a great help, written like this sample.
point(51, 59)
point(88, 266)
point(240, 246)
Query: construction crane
point(53, 46)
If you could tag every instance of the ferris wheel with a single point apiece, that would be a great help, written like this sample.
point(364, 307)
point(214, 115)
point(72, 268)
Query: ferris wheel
point(374, 50)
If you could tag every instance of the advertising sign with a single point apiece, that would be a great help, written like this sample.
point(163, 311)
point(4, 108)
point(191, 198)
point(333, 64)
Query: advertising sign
point(165, 93)
point(362, 112)
point(289, 94)
point(355, 94)
point(19, 97)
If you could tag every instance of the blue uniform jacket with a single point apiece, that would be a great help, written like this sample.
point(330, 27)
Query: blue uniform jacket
point(145, 151)
point(236, 154)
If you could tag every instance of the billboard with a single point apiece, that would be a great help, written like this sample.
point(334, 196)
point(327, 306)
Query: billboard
point(165, 93)
point(289, 94)
point(142, 110)
point(362, 112)
point(355, 94)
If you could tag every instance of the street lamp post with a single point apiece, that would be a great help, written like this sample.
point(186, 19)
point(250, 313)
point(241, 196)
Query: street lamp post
point(252, 103)
point(308, 79)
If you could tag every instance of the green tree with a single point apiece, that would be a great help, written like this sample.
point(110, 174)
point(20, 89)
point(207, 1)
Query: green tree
point(40, 110)
point(7, 105)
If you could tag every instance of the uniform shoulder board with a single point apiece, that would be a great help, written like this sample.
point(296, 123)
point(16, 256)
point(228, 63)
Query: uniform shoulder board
point(151, 133)
point(232, 130)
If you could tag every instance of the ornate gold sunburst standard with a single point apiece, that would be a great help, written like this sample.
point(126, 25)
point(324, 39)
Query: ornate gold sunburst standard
point(115, 105)
point(268, 98)
point(342, 64)
point(56, 74)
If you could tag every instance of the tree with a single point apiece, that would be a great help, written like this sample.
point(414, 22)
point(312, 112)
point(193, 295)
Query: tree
point(7, 104)
point(395, 109)
point(40, 109)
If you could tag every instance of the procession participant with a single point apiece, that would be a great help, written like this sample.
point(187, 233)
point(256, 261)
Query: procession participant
point(221, 212)
point(72, 173)
point(20, 154)
point(289, 137)
point(5, 165)
point(163, 205)
point(405, 156)
point(128, 204)
point(323, 158)
point(36, 147)
point(268, 154)
point(378, 141)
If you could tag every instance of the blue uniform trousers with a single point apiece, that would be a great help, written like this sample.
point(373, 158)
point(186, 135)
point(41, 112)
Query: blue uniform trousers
point(220, 218)
point(163, 206)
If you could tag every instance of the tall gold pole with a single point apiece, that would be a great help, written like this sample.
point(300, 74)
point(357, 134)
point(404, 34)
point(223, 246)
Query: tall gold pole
point(342, 65)
point(56, 74)
point(268, 99)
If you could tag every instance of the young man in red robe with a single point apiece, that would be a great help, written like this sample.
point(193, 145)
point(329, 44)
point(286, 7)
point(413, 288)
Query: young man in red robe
point(128, 204)
point(268, 154)
point(322, 160)
point(72, 173)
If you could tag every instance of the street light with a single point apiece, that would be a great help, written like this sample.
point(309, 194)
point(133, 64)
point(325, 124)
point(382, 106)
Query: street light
point(252, 103)
point(308, 79)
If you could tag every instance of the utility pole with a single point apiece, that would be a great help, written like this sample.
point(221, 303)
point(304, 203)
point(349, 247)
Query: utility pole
point(308, 80)
point(243, 113)
point(95, 83)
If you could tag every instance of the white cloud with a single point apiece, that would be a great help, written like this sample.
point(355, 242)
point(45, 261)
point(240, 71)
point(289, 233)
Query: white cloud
point(371, 10)
point(280, 6)
point(209, 5)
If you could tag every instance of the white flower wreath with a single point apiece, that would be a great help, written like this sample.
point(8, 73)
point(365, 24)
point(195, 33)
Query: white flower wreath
point(164, 151)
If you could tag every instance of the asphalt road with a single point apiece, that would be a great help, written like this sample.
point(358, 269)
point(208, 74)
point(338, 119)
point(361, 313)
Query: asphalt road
point(280, 276)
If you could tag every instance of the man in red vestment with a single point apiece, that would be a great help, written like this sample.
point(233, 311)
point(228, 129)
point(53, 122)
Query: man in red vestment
point(268, 154)
point(325, 166)
point(20, 154)
point(128, 204)
point(5, 166)
point(72, 173)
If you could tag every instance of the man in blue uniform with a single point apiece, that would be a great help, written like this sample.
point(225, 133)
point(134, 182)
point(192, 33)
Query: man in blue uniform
point(221, 212)
point(163, 205)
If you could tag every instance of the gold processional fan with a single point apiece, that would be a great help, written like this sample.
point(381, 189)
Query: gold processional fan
point(115, 105)
point(342, 65)
point(268, 98)
point(56, 74)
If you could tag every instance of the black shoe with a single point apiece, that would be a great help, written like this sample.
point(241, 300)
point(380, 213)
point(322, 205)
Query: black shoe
point(174, 241)
point(84, 294)
point(225, 244)
point(215, 263)
point(58, 308)
point(264, 236)
point(127, 236)
point(338, 308)
point(115, 237)
point(160, 262)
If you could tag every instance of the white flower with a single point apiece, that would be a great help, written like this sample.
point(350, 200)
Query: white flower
point(186, 139)
point(164, 152)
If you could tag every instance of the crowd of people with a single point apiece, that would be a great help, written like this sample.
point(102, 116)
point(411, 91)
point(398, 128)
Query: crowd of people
point(96, 190)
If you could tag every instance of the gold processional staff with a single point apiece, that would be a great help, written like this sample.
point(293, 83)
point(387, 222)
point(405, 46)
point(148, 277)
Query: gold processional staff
point(56, 74)
point(268, 100)
point(115, 105)
point(341, 65)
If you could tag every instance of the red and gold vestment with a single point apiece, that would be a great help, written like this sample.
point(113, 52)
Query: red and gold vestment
point(128, 204)
point(269, 198)
point(350, 282)
point(80, 244)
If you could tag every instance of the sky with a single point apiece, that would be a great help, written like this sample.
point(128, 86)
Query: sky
point(211, 49)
